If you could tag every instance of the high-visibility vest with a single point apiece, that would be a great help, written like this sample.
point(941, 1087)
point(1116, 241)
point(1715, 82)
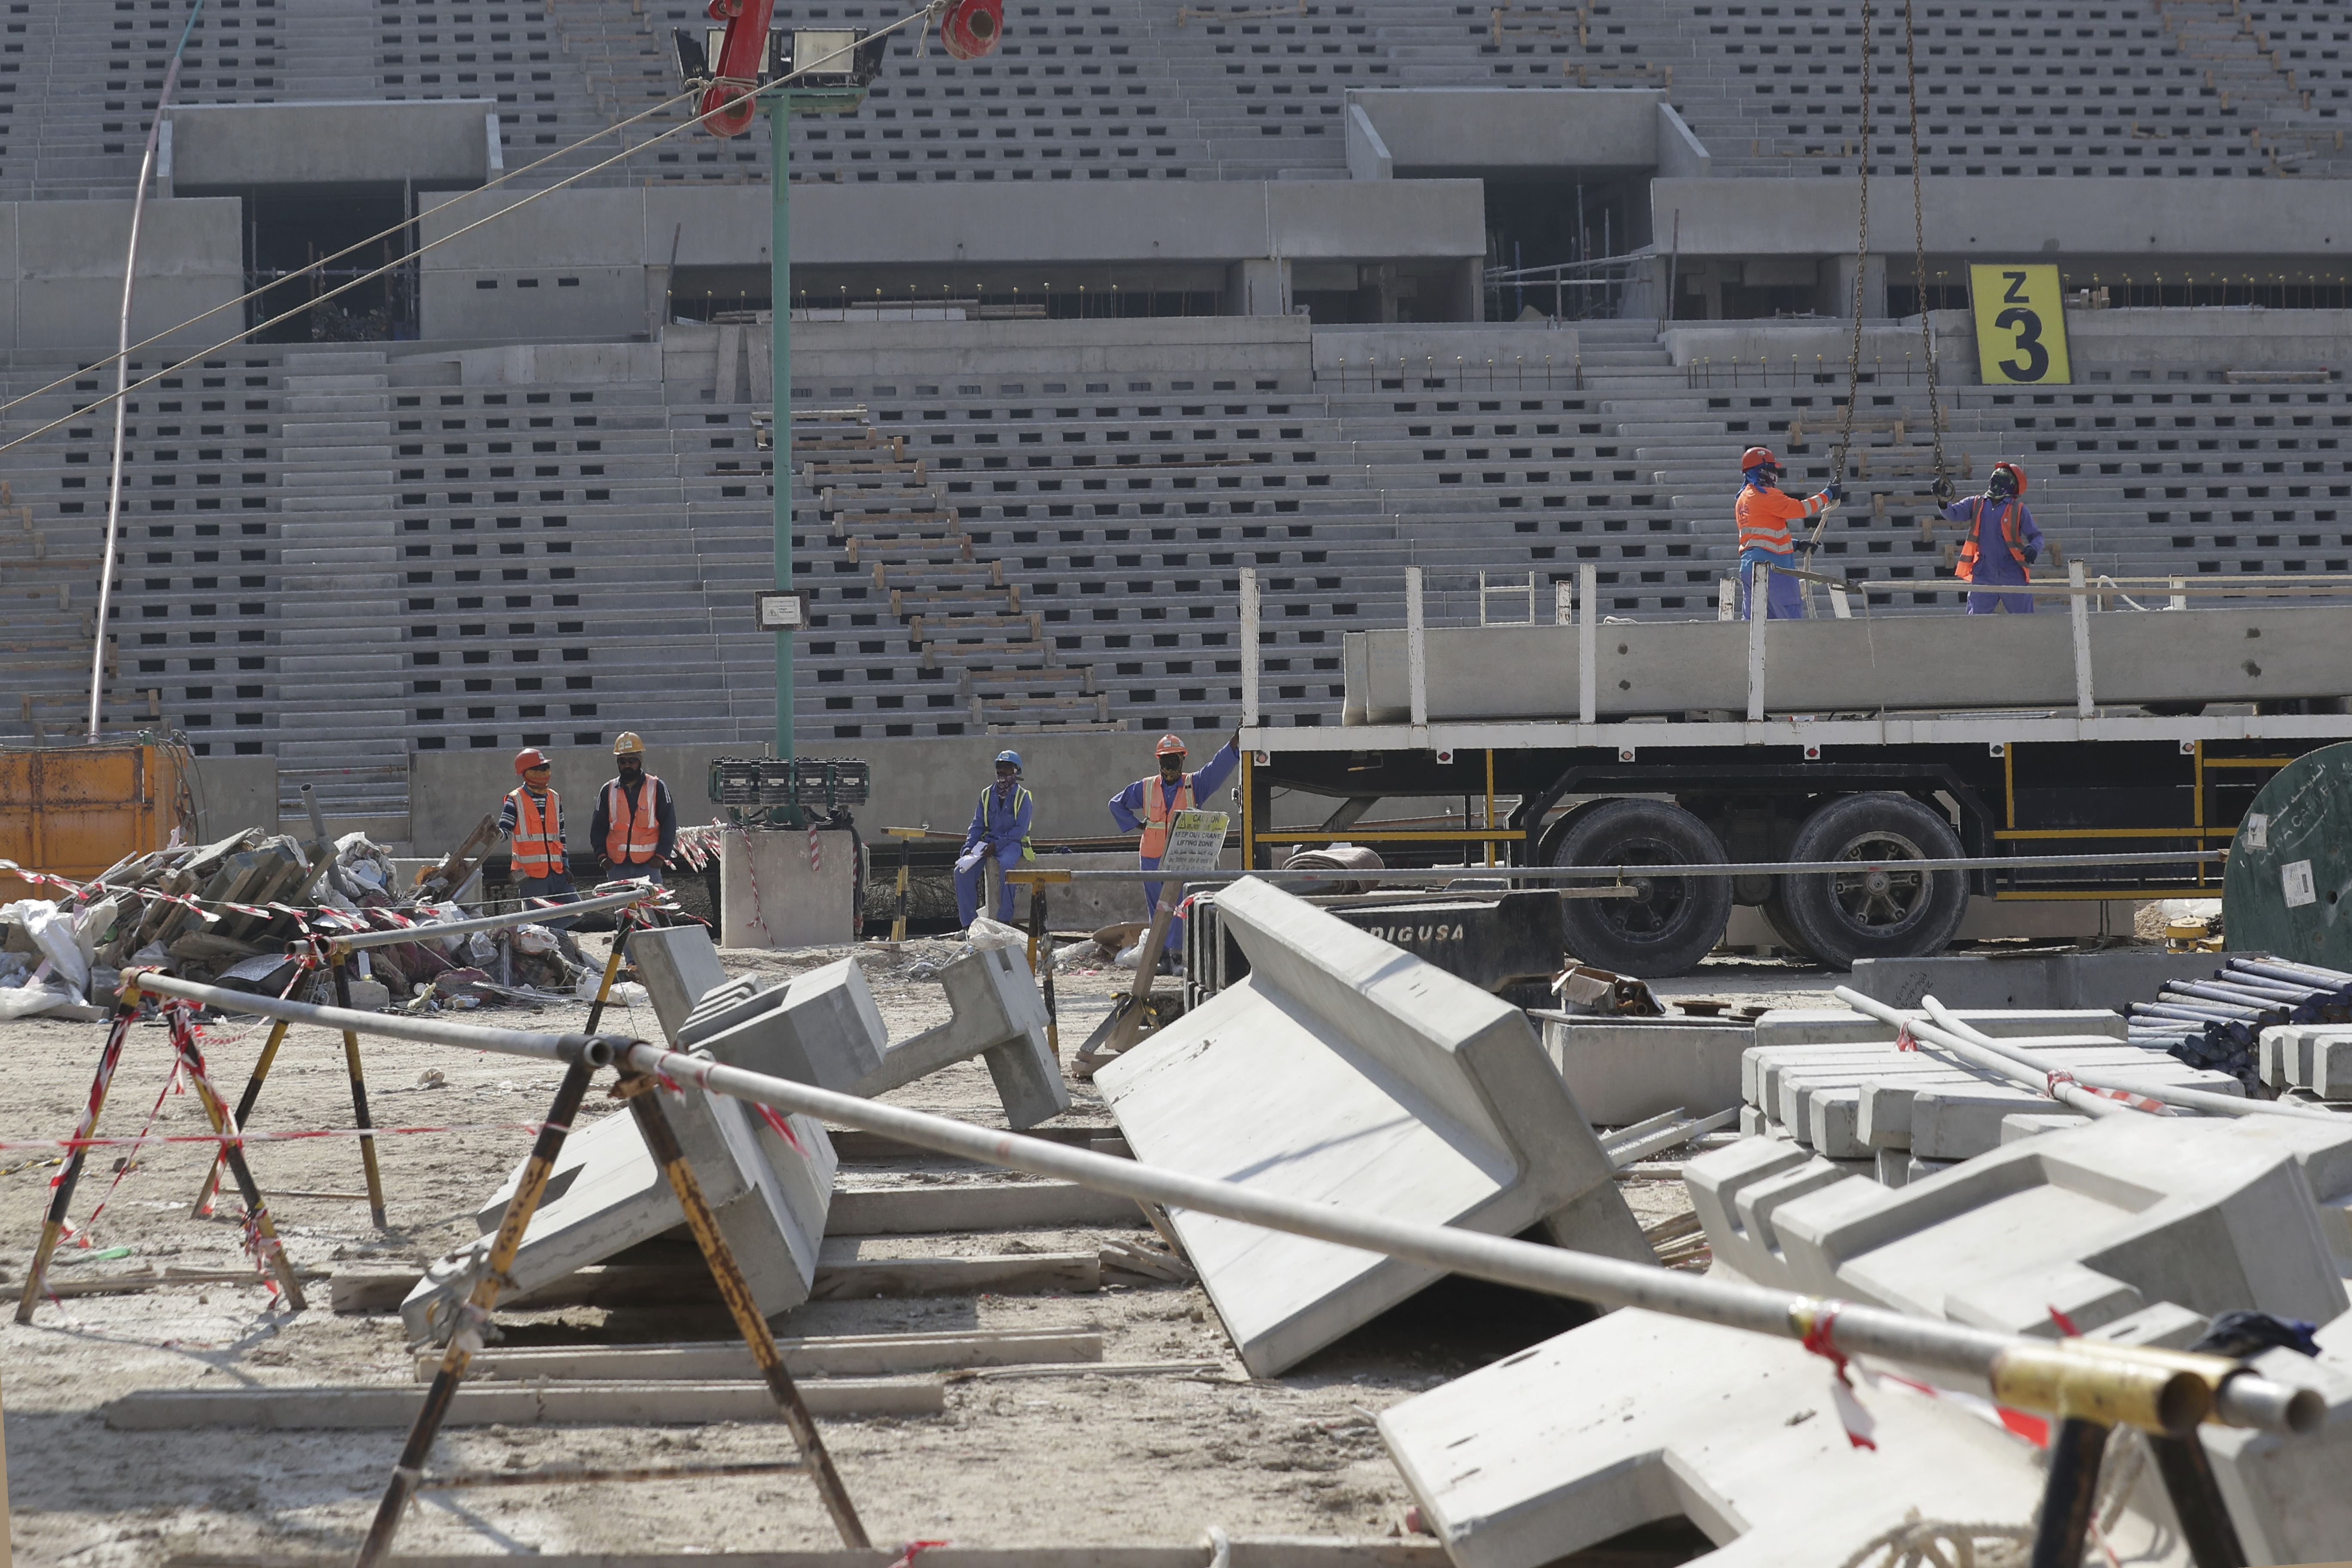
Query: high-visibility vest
point(1020, 802)
point(1762, 516)
point(1966, 569)
point(1157, 809)
point(632, 835)
point(538, 836)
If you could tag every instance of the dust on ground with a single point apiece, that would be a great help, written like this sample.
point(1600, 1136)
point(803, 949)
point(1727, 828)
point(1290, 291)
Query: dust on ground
point(1063, 1459)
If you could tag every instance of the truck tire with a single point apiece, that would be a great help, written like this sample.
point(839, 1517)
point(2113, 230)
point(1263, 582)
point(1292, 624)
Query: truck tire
point(1848, 916)
point(1775, 911)
point(1676, 922)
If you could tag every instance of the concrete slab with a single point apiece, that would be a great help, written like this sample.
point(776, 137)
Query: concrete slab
point(1344, 1070)
point(1737, 1232)
point(2098, 1222)
point(2109, 981)
point(771, 896)
point(1638, 1417)
point(1622, 1072)
point(821, 1027)
point(1000, 1017)
point(768, 1194)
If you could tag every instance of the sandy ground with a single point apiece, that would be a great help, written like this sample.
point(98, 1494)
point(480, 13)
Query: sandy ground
point(1063, 1459)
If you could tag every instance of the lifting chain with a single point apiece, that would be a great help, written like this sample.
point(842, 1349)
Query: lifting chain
point(1861, 262)
point(1919, 238)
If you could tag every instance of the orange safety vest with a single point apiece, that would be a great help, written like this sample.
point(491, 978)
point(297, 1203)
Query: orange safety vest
point(632, 836)
point(1762, 516)
point(1966, 569)
point(538, 837)
point(1157, 810)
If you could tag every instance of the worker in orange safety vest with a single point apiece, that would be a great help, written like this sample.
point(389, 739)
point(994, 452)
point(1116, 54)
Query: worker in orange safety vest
point(2002, 544)
point(1148, 805)
point(637, 824)
point(1763, 514)
point(531, 819)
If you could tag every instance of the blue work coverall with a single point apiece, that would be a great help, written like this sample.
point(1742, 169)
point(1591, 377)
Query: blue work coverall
point(1127, 809)
point(1000, 827)
point(1996, 566)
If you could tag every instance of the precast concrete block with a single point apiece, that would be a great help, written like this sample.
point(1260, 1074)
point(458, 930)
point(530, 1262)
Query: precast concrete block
point(2317, 1057)
point(2108, 981)
point(1000, 1017)
point(1720, 1183)
point(2098, 1221)
point(769, 1192)
point(1833, 1025)
point(1887, 1101)
point(821, 1027)
point(1639, 1418)
point(2015, 1128)
point(1958, 1121)
point(1343, 1069)
point(1625, 1072)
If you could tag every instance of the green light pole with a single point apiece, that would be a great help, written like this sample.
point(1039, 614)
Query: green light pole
point(779, 378)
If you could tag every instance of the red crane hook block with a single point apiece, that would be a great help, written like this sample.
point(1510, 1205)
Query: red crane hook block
point(726, 105)
point(970, 28)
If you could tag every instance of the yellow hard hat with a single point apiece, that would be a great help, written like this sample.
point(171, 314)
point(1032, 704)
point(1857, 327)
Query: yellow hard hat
point(629, 744)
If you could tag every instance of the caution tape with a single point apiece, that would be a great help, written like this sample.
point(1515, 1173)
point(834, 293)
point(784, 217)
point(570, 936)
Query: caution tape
point(2060, 1078)
point(1862, 1427)
point(299, 1135)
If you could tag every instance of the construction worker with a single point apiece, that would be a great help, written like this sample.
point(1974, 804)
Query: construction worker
point(998, 832)
point(2003, 543)
point(636, 824)
point(1148, 805)
point(1763, 514)
point(531, 819)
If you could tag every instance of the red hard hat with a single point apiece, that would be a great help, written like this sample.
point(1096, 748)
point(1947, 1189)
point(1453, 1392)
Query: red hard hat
point(529, 757)
point(2015, 473)
point(1169, 746)
point(1754, 454)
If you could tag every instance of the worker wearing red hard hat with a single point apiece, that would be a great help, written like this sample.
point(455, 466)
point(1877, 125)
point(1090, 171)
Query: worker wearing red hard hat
point(1763, 514)
point(1148, 805)
point(2003, 543)
point(531, 819)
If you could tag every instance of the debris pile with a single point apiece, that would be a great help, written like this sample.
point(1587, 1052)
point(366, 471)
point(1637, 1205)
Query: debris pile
point(241, 911)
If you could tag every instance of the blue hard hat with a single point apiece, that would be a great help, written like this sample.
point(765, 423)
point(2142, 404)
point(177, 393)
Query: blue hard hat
point(1004, 757)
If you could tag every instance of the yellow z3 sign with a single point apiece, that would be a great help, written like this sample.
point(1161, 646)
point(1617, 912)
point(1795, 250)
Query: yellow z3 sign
point(2020, 326)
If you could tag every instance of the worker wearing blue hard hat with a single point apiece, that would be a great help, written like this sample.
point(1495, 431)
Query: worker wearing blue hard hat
point(998, 831)
point(1763, 514)
point(2003, 543)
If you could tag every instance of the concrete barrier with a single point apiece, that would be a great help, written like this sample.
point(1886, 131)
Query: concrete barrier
point(1621, 1072)
point(999, 1016)
point(2109, 982)
point(1344, 1070)
point(2097, 1223)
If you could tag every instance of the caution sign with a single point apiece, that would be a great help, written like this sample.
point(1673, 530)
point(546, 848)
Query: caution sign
point(2020, 326)
point(1196, 839)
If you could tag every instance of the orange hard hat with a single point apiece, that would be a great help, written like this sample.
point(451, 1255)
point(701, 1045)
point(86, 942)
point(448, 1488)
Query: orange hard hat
point(2016, 474)
point(1169, 745)
point(529, 757)
point(1754, 454)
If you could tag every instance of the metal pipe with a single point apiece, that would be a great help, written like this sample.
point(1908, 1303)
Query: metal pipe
point(1558, 873)
point(2031, 1375)
point(1931, 1036)
point(423, 1031)
point(2171, 1094)
point(357, 940)
point(122, 371)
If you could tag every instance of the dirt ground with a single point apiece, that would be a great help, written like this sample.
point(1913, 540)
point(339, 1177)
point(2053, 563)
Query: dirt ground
point(1073, 1457)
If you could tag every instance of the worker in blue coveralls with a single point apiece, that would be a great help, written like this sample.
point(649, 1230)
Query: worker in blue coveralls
point(2003, 543)
point(1148, 805)
point(998, 831)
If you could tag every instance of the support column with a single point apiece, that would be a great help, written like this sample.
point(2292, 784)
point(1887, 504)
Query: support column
point(1873, 288)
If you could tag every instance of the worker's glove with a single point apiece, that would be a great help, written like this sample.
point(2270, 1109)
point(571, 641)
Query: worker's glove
point(967, 862)
point(1835, 491)
point(2033, 554)
point(1942, 488)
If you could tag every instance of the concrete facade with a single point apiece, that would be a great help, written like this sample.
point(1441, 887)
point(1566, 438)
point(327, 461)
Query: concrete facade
point(1562, 132)
point(447, 144)
point(604, 242)
point(61, 273)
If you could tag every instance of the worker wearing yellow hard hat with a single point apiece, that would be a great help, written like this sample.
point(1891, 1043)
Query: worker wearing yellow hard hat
point(636, 822)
